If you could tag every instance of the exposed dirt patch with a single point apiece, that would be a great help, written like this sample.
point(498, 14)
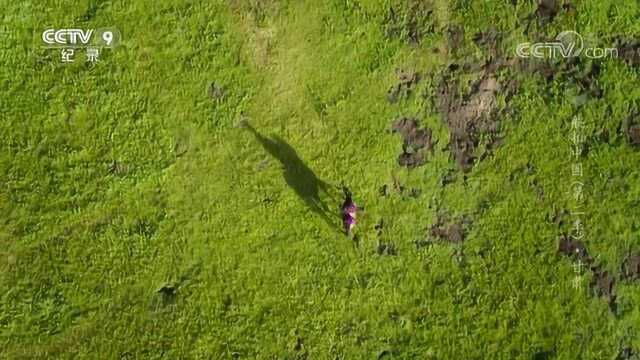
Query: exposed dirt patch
point(412, 135)
point(472, 113)
point(574, 249)
point(473, 116)
point(447, 230)
point(415, 141)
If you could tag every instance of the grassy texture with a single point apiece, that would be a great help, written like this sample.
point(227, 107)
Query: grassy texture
point(120, 178)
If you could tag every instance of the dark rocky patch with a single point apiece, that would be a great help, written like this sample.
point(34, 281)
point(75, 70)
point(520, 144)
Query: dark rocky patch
point(415, 142)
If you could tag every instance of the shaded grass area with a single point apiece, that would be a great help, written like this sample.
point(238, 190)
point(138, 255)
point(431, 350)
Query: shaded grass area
point(139, 222)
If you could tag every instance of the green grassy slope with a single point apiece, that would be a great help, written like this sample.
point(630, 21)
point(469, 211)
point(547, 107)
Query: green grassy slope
point(126, 176)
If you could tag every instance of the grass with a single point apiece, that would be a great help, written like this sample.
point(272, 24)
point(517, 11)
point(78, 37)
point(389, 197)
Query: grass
point(122, 177)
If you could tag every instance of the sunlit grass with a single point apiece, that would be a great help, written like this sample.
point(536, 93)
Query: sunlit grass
point(125, 177)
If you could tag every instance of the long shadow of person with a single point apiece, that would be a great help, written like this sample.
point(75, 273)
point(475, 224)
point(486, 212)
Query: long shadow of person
point(297, 174)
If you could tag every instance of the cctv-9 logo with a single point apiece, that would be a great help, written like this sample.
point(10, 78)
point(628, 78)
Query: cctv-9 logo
point(107, 37)
point(102, 37)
